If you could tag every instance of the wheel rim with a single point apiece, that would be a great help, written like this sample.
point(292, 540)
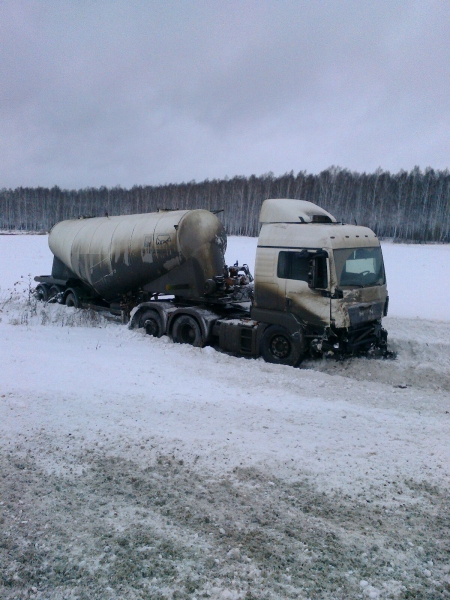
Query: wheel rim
point(151, 327)
point(280, 347)
point(53, 293)
point(187, 334)
point(41, 294)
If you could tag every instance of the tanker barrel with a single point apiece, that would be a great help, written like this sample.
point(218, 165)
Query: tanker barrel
point(172, 252)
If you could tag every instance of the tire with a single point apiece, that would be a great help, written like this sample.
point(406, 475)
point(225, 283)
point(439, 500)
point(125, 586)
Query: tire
point(53, 293)
point(278, 346)
point(72, 300)
point(41, 292)
point(151, 321)
point(186, 330)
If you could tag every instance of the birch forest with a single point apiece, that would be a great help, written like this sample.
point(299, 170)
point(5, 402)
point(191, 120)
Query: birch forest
point(406, 206)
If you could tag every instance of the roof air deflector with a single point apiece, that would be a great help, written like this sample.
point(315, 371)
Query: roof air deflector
point(287, 210)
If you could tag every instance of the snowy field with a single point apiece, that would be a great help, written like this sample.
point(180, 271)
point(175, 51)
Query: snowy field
point(134, 468)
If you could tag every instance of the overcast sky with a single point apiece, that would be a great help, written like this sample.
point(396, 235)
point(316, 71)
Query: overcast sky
point(125, 92)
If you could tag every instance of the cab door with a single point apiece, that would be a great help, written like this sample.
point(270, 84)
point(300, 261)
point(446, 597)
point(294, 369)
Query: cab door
point(306, 277)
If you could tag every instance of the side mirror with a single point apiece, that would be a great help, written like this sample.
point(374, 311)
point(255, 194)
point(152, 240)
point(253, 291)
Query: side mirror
point(317, 271)
point(312, 273)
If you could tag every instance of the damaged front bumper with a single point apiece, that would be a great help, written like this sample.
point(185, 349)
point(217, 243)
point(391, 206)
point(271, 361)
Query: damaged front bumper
point(368, 339)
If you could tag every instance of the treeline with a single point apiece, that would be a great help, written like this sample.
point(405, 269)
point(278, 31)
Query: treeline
point(405, 206)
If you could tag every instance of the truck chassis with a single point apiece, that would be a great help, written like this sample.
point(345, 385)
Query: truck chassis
point(232, 327)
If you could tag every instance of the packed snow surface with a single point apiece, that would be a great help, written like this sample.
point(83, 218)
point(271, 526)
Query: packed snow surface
point(131, 467)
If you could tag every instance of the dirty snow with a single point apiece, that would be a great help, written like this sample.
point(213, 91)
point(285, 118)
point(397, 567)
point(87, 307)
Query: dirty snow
point(131, 467)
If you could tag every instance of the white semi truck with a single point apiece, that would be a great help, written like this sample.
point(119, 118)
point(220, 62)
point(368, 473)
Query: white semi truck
point(319, 286)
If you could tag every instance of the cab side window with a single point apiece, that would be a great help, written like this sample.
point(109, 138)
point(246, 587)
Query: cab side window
point(292, 265)
point(297, 266)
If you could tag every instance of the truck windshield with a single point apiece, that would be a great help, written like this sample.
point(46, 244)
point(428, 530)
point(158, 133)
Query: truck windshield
point(359, 267)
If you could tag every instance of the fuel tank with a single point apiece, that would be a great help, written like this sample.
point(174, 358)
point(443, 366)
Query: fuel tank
point(171, 252)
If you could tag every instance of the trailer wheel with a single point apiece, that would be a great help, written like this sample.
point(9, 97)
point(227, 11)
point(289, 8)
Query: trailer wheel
point(151, 321)
point(280, 347)
point(72, 300)
point(41, 292)
point(54, 293)
point(186, 330)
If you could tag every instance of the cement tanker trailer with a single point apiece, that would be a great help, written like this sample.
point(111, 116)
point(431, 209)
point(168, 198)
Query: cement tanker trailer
point(118, 259)
point(319, 286)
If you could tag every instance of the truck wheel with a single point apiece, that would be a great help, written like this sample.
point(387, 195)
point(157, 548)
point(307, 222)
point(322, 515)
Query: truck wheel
point(53, 294)
point(151, 321)
point(72, 300)
point(186, 330)
point(41, 293)
point(280, 347)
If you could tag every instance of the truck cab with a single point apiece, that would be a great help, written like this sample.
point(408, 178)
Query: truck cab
point(320, 277)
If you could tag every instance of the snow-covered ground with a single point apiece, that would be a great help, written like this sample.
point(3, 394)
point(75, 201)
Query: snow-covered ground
point(131, 467)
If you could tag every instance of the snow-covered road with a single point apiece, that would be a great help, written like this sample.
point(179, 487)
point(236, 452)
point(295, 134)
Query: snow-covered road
point(135, 468)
